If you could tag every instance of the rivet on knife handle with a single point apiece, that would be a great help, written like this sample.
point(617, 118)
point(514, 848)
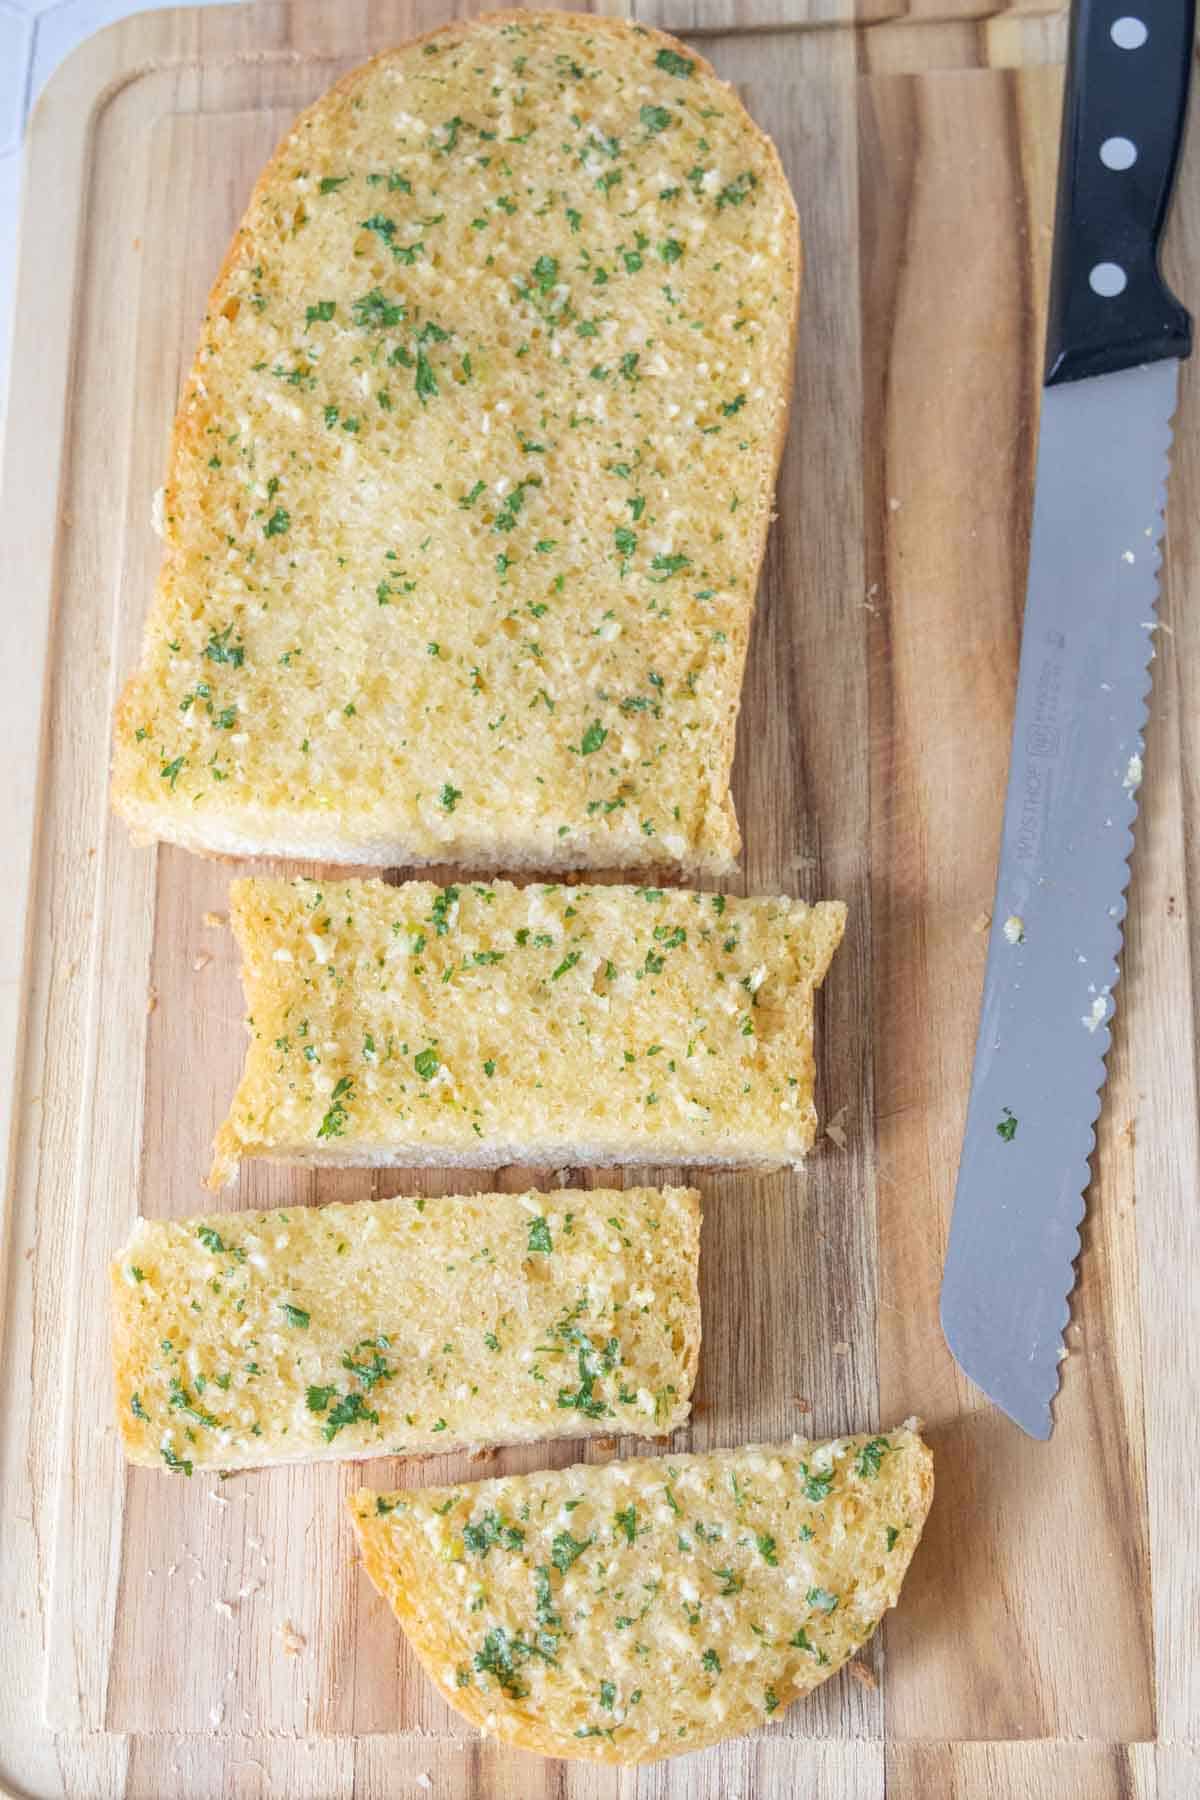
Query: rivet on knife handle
point(1126, 97)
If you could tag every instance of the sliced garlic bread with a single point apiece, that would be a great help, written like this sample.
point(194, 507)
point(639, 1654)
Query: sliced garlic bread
point(635, 1610)
point(401, 1326)
point(471, 479)
point(477, 1025)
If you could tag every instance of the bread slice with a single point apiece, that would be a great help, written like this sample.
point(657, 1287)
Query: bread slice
point(471, 478)
point(635, 1610)
point(395, 1327)
point(475, 1025)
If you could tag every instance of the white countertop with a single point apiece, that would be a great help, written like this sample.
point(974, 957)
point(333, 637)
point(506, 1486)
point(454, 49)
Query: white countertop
point(35, 36)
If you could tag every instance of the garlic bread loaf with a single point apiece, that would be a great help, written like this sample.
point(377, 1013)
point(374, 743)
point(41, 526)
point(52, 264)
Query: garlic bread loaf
point(471, 478)
point(394, 1327)
point(635, 1610)
point(480, 1024)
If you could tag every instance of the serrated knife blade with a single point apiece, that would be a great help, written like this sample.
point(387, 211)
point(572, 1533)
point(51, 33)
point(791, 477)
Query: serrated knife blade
point(1064, 866)
point(1115, 339)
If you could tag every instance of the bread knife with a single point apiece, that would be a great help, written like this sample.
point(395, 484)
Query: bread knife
point(1115, 338)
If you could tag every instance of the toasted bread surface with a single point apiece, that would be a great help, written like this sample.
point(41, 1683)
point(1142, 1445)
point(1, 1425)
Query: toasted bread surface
point(486, 1023)
point(635, 1610)
point(471, 479)
point(405, 1326)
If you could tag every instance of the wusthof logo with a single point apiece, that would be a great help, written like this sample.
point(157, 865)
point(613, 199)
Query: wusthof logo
point(1033, 803)
point(1042, 740)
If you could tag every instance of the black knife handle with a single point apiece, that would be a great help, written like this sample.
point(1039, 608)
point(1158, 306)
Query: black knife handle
point(1128, 69)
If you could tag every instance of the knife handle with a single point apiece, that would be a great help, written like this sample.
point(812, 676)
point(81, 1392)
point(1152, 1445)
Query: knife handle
point(1128, 68)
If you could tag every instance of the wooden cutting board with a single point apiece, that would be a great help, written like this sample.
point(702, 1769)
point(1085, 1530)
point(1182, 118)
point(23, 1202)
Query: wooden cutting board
point(166, 1638)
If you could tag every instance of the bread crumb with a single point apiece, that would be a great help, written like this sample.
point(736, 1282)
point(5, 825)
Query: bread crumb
point(424, 1781)
point(1092, 1020)
point(982, 922)
point(841, 1348)
point(293, 1641)
point(1128, 1133)
point(215, 918)
point(801, 1404)
point(201, 962)
point(834, 1129)
point(1014, 929)
point(864, 1675)
point(152, 1000)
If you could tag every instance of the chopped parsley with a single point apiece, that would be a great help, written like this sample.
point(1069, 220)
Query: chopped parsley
point(426, 380)
point(491, 1531)
point(566, 1549)
point(347, 1409)
point(870, 1457)
point(540, 1242)
point(736, 192)
point(374, 312)
point(334, 1122)
point(626, 1521)
point(816, 1487)
point(666, 566)
point(440, 913)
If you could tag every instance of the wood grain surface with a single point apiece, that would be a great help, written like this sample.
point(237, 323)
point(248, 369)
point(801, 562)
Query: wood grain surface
point(166, 1638)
